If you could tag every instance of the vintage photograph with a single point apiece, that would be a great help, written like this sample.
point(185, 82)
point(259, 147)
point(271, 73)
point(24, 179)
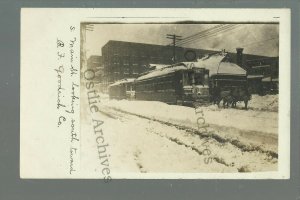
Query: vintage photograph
point(181, 97)
point(155, 94)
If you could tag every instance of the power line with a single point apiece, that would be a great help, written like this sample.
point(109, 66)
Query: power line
point(257, 43)
point(200, 33)
point(214, 31)
point(203, 33)
point(211, 34)
point(225, 29)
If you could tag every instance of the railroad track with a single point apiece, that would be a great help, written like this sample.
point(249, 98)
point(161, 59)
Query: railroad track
point(194, 137)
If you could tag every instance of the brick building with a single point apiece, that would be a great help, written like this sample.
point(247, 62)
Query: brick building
point(263, 74)
point(262, 71)
point(129, 60)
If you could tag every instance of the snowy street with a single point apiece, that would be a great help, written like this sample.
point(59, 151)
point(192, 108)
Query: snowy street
point(155, 137)
point(145, 128)
point(147, 141)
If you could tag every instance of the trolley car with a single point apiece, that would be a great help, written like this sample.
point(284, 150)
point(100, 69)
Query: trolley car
point(123, 89)
point(175, 84)
point(210, 79)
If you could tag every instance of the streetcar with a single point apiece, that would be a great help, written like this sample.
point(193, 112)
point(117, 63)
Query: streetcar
point(213, 78)
point(122, 89)
point(176, 84)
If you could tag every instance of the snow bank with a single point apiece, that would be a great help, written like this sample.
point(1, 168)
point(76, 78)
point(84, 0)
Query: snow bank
point(250, 120)
point(138, 146)
point(264, 103)
point(104, 96)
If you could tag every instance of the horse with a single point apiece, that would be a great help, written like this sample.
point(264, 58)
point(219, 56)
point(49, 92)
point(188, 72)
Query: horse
point(227, 98)
point(218, 96)
point(230, 97)
point(240, 94)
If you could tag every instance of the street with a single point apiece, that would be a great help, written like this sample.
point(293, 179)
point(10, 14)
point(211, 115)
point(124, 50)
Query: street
point(139, 143)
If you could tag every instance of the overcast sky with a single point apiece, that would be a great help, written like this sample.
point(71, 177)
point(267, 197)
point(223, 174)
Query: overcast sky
point(258, 39)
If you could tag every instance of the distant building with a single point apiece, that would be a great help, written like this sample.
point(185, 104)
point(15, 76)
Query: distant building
point(262, 71)
point(263, 74)
point(94, 62)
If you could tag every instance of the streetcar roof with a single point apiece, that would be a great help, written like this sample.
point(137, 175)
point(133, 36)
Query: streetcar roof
point(163, 71)
point(158, 66)
point(119, 82)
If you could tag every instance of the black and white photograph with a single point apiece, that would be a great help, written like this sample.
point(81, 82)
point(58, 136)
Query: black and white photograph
point(186, 97)
point(155, 94)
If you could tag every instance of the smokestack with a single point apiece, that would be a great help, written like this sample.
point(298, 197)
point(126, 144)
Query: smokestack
point(239, 56)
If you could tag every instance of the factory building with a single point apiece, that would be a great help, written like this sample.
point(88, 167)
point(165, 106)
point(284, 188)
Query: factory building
point(129, 59)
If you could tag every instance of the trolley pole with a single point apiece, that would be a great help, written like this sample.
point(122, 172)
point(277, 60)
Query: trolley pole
point(175, 38)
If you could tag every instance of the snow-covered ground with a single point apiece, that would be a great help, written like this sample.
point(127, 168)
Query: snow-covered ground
point(142, 145)
point(246, 120)
point(251, 126)
point(146, 136)
point(263, 103)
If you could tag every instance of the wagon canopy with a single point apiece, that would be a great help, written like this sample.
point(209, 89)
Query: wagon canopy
point(217, 66)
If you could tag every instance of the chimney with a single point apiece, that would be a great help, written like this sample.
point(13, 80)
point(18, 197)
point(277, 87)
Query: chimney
point(239, 56)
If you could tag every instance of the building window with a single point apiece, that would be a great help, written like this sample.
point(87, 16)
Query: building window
point(116, 60)
point(135, 71)
point(126, 62)
point(116, 52)
point(126, 71)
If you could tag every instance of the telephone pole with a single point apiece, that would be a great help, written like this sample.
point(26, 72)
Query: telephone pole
point(175, 38)
point(83, 59)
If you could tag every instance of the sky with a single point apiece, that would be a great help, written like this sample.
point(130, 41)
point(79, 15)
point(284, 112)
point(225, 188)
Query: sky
point(258, 39)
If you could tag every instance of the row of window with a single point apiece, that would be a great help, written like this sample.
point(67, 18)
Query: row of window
point(125, 72)
point(155, 86)
point(135, 52)
point(261, 71)
point(133, 59)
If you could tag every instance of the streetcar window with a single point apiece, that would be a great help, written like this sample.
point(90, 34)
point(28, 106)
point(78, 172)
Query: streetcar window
point(191, 78)
point(185, 80)
point(206, 79)
point(199, 79)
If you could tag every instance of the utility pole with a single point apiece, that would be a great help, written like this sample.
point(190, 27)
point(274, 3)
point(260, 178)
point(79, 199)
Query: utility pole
point(175, 38)
point(84, 27)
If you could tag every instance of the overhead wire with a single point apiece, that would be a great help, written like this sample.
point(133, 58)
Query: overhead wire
point(208, 34)
point(257, 43)
point(200, 33)
point(214, 31)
